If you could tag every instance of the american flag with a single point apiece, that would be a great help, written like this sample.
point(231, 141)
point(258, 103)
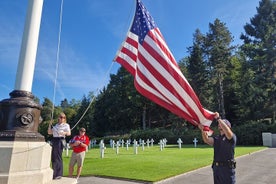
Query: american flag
point(157, 75)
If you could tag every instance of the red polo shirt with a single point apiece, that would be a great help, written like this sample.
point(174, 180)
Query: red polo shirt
point(83, 139)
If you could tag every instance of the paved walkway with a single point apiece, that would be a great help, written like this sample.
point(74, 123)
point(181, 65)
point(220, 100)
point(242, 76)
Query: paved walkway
point(255, 168)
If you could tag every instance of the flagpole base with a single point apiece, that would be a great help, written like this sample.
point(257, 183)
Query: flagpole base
point(20, 117)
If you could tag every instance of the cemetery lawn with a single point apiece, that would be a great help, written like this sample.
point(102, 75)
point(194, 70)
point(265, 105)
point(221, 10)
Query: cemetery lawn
point(150, 165)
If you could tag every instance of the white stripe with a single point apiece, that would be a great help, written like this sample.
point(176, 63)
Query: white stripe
point(186, 97)
point(157, 48)
point(131, 48)
point(133, 36)
point(150, 89)
point(164, 72)
point(127, 59)
point(166, 75)
point(182, 93)
point(158, 85)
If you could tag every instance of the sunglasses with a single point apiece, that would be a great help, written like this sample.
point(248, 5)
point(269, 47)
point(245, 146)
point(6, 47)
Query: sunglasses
point(62, 117)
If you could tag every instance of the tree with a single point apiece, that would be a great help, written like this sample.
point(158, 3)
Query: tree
point(260, 50)
point(198, 75)
point(219, 51)
point(81, 114)
point(236, 83)
point(46, 113)
point(64, 104)
point(117, 107)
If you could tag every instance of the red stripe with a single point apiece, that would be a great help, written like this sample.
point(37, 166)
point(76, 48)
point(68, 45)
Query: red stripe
point(132, 42)
point(182, 82)
point(169, 54)
point(129, 53)
point(167, 85)
point(169, 95)
point(171, 107)
point(162, 103)
point(163, 80)
point(126, 65)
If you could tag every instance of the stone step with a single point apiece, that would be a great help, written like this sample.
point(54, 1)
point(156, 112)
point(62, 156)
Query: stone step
point(64, 180)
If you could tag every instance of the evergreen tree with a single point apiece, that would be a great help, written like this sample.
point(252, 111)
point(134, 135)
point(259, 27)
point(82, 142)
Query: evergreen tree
point(117, 107)
point(219, 52)
point(198, 75)
point(260, 50)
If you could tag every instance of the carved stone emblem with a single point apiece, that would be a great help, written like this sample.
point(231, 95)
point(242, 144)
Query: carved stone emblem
point(26, 118)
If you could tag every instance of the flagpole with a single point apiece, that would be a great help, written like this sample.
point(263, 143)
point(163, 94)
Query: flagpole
point(21, 113)
point(26, 64)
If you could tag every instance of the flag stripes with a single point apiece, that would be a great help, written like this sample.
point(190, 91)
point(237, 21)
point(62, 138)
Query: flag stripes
point(157, 75)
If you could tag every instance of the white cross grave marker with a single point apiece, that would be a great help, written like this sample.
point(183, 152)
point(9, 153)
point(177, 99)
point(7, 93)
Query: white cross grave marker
point(111, 143)
point(151, 141)
point(195, 142)
point(135, 147)
point(127, 143)
point(143, 145)
point(122, 142)
point(161, 145)
point(117, 147)
point(140, 141)
point(148, 141)
point(179, 141)
point(102, 148)
point(165, 142)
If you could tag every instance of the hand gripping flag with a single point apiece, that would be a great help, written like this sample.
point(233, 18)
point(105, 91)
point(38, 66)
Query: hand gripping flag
point(157, 75)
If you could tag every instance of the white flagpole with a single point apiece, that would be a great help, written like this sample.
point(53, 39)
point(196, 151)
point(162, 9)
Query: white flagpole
point(26, 63)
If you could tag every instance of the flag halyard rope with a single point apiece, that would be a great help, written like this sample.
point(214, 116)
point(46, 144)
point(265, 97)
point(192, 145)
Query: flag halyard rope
point(94, 97)
point(57, 60)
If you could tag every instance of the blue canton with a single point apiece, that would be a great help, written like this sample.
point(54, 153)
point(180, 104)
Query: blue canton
point(142, 23)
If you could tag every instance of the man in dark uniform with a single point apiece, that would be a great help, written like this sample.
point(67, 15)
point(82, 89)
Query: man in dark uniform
point(224, 149)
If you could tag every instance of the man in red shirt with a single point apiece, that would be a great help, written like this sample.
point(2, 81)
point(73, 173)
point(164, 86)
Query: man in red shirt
point(79, 144)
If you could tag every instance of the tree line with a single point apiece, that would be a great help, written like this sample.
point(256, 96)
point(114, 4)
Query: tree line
point(238, 81)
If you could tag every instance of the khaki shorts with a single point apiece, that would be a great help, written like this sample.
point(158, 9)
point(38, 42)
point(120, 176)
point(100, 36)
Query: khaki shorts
point(77, 158)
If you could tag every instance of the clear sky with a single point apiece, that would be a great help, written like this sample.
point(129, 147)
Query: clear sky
point(92, 32)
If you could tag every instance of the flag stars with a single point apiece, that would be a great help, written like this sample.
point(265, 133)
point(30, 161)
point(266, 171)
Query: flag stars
point(172, 79)
point(142, 22)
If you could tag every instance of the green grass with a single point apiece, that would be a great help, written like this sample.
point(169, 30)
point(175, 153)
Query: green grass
point(151, 164)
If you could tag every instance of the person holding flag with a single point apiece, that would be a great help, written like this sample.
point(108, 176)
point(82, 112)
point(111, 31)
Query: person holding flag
point(224, 144)
point(157, 76)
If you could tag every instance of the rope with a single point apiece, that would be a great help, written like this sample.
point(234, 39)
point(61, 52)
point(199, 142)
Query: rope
point(94, 97)
point(130, 15)
point(57, 60)
point(56, 73)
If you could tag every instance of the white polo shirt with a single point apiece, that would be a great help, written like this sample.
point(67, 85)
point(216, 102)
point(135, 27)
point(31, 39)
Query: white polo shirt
point(58, 129)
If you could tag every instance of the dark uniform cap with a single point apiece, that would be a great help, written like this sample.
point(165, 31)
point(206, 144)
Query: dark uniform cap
point(227, 122)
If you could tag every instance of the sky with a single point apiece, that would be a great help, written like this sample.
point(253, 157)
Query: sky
point(92, 32)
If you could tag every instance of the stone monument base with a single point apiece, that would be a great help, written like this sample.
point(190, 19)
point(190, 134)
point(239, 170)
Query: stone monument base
point(26, 162)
